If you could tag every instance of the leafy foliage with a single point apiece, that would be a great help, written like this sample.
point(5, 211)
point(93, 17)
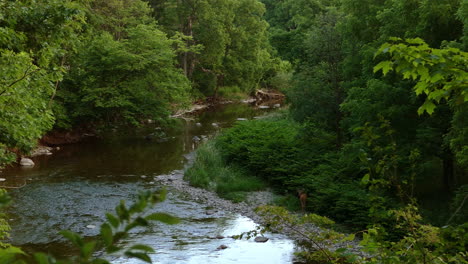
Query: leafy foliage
point(32, 52)
point(440, 73)
point(126, 80)
point(210, 171)
point(263, 147)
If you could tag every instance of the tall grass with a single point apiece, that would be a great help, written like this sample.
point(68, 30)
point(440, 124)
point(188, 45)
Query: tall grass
point(210, 171)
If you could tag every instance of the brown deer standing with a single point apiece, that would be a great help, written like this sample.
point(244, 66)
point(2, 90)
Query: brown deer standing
point(302, 198)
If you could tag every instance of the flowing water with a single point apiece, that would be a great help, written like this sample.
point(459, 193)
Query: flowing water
point(75, 187)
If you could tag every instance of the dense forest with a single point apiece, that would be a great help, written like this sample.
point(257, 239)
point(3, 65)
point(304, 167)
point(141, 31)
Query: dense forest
point(67, 64)
point(377, 128)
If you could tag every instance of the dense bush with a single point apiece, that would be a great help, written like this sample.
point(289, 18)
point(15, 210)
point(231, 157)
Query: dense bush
point(291, 157)
point(210, 171)
point(266, 148)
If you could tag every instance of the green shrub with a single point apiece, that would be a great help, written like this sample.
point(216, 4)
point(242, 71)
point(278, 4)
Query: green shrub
point(292, 157)
point(266, 148)
point(210, 171)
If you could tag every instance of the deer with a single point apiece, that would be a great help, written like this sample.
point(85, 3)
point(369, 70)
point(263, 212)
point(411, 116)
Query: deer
point(302, 198)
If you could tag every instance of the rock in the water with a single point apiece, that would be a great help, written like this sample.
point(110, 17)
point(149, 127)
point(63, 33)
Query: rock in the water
point(198, 124)
point(196, 138)
point(215, 125)
point(162, 140)
point(26, 162)
point(264, 107)
point(219, 237)
point(249, 101)
point(41, 150)
point(210, 212)
point(222, 247)
point(2, 179)
point(276, 105)
point(261, 239)
point(242, 119)
point(90, 226)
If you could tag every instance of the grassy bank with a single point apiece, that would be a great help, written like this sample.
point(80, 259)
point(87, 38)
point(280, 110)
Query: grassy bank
point(210, 171)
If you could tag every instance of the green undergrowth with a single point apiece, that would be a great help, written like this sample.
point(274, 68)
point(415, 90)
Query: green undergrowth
point(210, 171)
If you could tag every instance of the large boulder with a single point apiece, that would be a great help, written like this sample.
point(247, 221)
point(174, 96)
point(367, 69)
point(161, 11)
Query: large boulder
point(26, 162)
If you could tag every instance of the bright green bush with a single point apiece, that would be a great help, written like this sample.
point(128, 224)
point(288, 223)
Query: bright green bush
point(266, 148)
point(210, 171)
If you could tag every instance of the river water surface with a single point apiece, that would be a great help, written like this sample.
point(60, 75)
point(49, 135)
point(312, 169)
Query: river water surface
point(75, 187)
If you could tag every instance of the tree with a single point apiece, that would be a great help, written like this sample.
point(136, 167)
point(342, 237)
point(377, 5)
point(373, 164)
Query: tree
point(35, 40)
point(126, 80)
point(440, 75)
point(318, 93)
point(125, 70)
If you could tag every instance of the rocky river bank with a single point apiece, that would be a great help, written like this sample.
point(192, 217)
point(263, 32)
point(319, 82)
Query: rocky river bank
point(175, 180)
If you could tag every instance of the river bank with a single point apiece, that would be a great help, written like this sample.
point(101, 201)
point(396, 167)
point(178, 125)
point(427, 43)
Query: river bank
point(175, 180)
point(75, 187)
point(52, 140)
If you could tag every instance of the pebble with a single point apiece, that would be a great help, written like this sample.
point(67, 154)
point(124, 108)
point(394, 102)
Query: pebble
point(261, 239)
point(90, 226)
point(222, 247)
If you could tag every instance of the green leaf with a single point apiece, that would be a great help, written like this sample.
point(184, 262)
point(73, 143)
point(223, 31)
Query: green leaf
point(351, 237)
point(76, 239)
point(163, 217)
point(88, 249)
point(416, 41)
point(122, 211)
point(142, 256)
point(114, 221)
point(41, 258)
point(106, 234)
point(365, 179)
point(428, 107)
point(436, 77)
point(385, 66)
point(420, 87)
point(141, 247)
point(8, 255)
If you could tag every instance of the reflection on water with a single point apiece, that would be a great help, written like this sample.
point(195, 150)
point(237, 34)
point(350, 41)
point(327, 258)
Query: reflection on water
point(194, 242)
point(73, 189)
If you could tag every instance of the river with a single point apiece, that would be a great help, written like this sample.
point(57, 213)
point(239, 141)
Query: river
point(73, 188)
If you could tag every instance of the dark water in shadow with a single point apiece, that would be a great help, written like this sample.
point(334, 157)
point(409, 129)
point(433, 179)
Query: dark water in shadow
point(76, 186)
